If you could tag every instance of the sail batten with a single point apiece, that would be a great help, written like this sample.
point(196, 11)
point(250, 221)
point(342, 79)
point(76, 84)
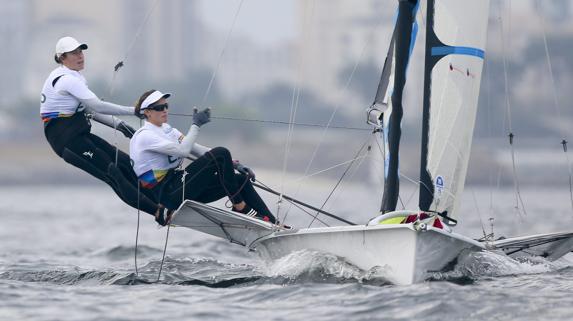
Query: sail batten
point(448, 50)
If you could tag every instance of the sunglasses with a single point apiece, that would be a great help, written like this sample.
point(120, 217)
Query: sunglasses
point(161, 107)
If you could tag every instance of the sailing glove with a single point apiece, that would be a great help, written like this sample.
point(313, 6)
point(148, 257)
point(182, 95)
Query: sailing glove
point(200, 118)
point(125, 129)
point(244, 170)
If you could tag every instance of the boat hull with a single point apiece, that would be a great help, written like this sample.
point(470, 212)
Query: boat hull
point(405, 254)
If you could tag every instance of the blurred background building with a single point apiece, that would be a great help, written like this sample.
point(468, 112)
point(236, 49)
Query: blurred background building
point(329, 52)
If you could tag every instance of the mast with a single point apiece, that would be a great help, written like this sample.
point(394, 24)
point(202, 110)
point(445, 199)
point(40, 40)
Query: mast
point(402, 42)
point(426, 195)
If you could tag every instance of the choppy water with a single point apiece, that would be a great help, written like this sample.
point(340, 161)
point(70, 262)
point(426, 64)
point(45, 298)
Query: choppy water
point(67, 253)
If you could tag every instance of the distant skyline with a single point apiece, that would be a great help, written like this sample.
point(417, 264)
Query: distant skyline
point(267, 23)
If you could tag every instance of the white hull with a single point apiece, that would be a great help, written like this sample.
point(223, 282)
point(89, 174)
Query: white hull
point(404, 254)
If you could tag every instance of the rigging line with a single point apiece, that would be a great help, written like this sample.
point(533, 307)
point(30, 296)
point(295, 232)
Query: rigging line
point(164, 251)
point(518, 199)
point(292, 201)
point(489, 113)
point(341, 178)
point(288, 198)
point(479, 214)
point(307, 19)
point(211, 81)
point(138, 217)
point(304, 177)
point(380, 149)
point(369, 149)
point(409, 199)
point(323, 135)
point(556, 99)
point(549, 64)
point(137, 231)
point(131, 45)
point(116, 70)
point(338, 105)
point(570, 173)
point(278, 122)
point(409, 179)
point(344, 90)
point(503, 129)
point(115, 141)
point(383, 153)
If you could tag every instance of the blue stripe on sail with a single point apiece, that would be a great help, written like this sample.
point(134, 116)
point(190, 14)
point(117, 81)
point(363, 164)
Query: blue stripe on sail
point(468, 51)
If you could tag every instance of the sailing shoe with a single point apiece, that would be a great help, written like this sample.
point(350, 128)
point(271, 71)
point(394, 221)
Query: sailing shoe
point(249, 211)
point(279, 224)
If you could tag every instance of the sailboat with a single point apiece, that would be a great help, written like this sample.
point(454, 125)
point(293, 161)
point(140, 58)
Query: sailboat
point(406, 244)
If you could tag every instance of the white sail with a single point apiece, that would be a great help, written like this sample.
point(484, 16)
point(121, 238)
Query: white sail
point(461, 26)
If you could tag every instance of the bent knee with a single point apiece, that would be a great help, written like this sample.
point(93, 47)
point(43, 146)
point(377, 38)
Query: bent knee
point(221, 152)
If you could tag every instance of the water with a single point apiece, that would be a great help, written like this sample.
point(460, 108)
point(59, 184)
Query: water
point(67, 253)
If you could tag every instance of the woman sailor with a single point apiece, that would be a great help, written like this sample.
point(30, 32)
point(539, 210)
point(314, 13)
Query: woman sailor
point(65, 102)
point(157, 149)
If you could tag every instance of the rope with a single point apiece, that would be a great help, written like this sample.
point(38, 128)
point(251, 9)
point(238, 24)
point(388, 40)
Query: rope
point(489, 121)
point(570, 172)
point(479, 215)
point(383, 153)
point(288, 198)
point(115, 141)
point(338, 105)
point(301, 206)
point(295, 99)
point(169, 226)
point(213, 75)
point(278, 122)
point(120, 64)
point(164, 251)
point(340, 179)
point(304, 177)
point(137, 232)
point(556, 100)
point(518, 199)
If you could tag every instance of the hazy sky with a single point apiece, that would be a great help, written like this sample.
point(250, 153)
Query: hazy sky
point(265, 21)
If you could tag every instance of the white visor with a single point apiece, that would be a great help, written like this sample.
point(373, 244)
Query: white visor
point(154, 97)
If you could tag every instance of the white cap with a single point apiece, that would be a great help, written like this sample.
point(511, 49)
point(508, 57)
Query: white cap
point(154, 97)
point(67, 44)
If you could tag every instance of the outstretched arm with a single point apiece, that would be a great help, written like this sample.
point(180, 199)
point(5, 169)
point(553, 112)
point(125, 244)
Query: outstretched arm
point(80, 90)
point(99, 106)
point(184, 148)
point(114, 122)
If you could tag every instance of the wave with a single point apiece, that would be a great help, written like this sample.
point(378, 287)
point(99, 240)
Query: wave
point(296, 268)
point(202, 272)
point(308, 266)
point(118, 253)
point(474, 266)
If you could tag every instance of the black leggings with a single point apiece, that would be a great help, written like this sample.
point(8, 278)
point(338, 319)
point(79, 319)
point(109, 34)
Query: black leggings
point(210, 178)
point(97, 157)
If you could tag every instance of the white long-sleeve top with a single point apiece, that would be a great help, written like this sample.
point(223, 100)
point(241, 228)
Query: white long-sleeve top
point(66, 90)
point(160, 148)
